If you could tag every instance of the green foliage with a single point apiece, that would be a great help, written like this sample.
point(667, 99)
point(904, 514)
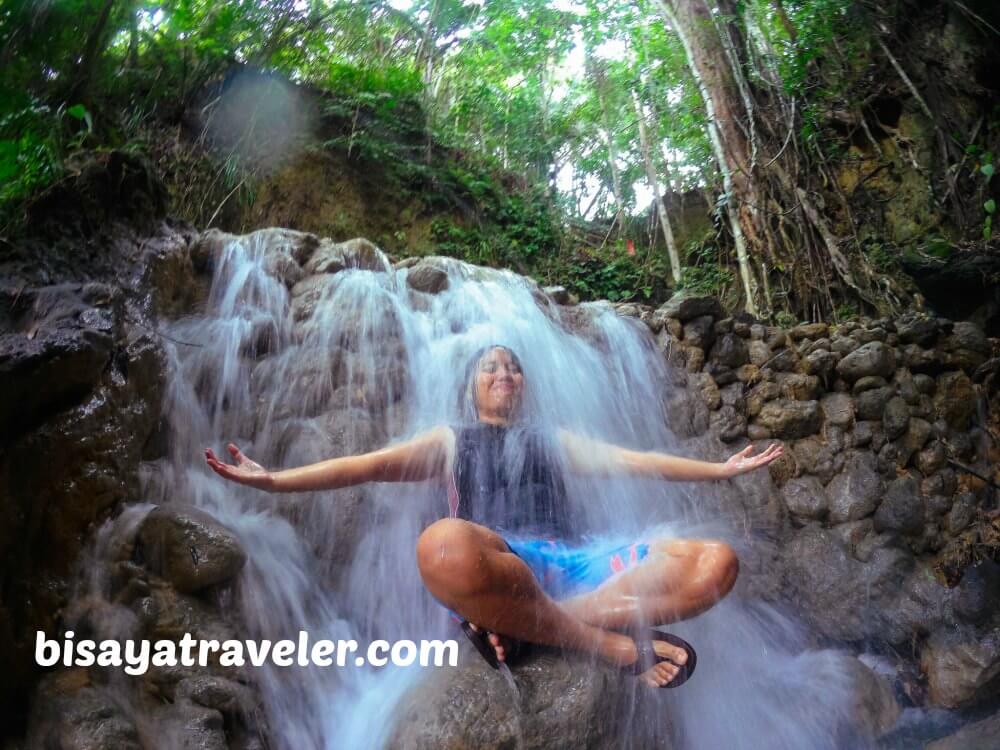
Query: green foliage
point(702, 272)
point(34, 140)
point(609, 272)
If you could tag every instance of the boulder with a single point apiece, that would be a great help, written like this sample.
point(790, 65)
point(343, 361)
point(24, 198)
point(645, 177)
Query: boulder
point(70, 713)
point(856, 491)
point(961, 670)
point(699, 332)
point(188, 547)
point(980, 735)
point(871, 403)
point(729, 351)
point(791, 419)
point(564, 702)
point(902, 510)
point(684, 307)
point(799, 387)
point(428, 276)
point(978, 595)
point(876, 709)
point(805, 497)
point(838, 409)
point(873, 358)
point(955, 399)
point(838, 596)
point(895, 417)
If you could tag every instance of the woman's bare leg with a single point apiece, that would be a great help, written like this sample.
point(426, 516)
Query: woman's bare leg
point(469, 569)
point(679, 579)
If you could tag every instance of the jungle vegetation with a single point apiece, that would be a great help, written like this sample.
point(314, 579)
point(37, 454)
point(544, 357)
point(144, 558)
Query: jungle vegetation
point(822, 144)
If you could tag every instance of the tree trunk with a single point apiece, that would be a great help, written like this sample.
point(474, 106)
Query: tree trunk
point(654, 185)
point(92, 51)
point(708, 59)
point(600, 85)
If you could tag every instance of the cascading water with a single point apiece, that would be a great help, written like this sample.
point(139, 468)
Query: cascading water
point(357, 358)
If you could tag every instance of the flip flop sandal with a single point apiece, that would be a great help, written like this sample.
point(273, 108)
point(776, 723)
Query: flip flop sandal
point(481, 640)
point(648, 658)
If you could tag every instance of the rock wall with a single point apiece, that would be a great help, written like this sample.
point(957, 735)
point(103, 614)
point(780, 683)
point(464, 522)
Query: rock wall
point(82, 368)
point(882, 515)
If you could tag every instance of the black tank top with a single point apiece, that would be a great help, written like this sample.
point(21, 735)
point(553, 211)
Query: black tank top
point(509, 479)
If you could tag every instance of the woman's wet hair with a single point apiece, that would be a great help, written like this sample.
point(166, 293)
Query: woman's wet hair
point(467, 396)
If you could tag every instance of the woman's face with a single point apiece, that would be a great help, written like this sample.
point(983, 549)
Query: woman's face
point(499, 386)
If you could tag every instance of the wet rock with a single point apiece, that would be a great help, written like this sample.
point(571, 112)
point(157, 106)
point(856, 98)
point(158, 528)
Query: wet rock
point(871, 359)
point(814, 456)
point(868, 383)
point(70, 713)
point(918, 431)
point(167, 614)
point(961, 670)
point(821, 363)
point(942, 483)
point(54, 359)
point(226, 696)
point(187, 726)
point(867, 335)
point(562, 296)
point(728, 424)
point(791, 419)
point(699, 332)
point(786, 360)
point(955, 399)
point(759, 395)
point(798, 387)
point(967, 335)
point(978, 595)
point(685, 307)
point(730, 351)
point(875, 708)
point(808, 331)
point(430, 276)
point(932, 458)
point(856, 491)
point(924, 383)
point(759, 352)
point(838, 409)
point(980, 735)
point(357, 253)
point(902, 510)
point(922, 331)
point(188, 547)
point(308, 293)
point(564, 703)
point(805, 497)
point(862, 434)
point(962, 513)
point(871, 404)
point(836, 594)
point(843, 345)
point(709, 391)
point(895, 417)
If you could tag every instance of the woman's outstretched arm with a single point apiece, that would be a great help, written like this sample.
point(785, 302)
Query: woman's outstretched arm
point(589, 456)
point(423, 457)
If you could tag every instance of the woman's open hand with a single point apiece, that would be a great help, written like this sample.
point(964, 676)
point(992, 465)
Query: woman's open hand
point(244, 471)
point(745, 461)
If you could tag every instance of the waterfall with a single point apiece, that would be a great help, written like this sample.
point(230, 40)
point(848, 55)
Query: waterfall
point(297, 368)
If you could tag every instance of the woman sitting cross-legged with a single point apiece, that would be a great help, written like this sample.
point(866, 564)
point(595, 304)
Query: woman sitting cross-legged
point(507, 558)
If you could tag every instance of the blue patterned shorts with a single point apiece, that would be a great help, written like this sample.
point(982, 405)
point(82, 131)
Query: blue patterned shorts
point(564, 569)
